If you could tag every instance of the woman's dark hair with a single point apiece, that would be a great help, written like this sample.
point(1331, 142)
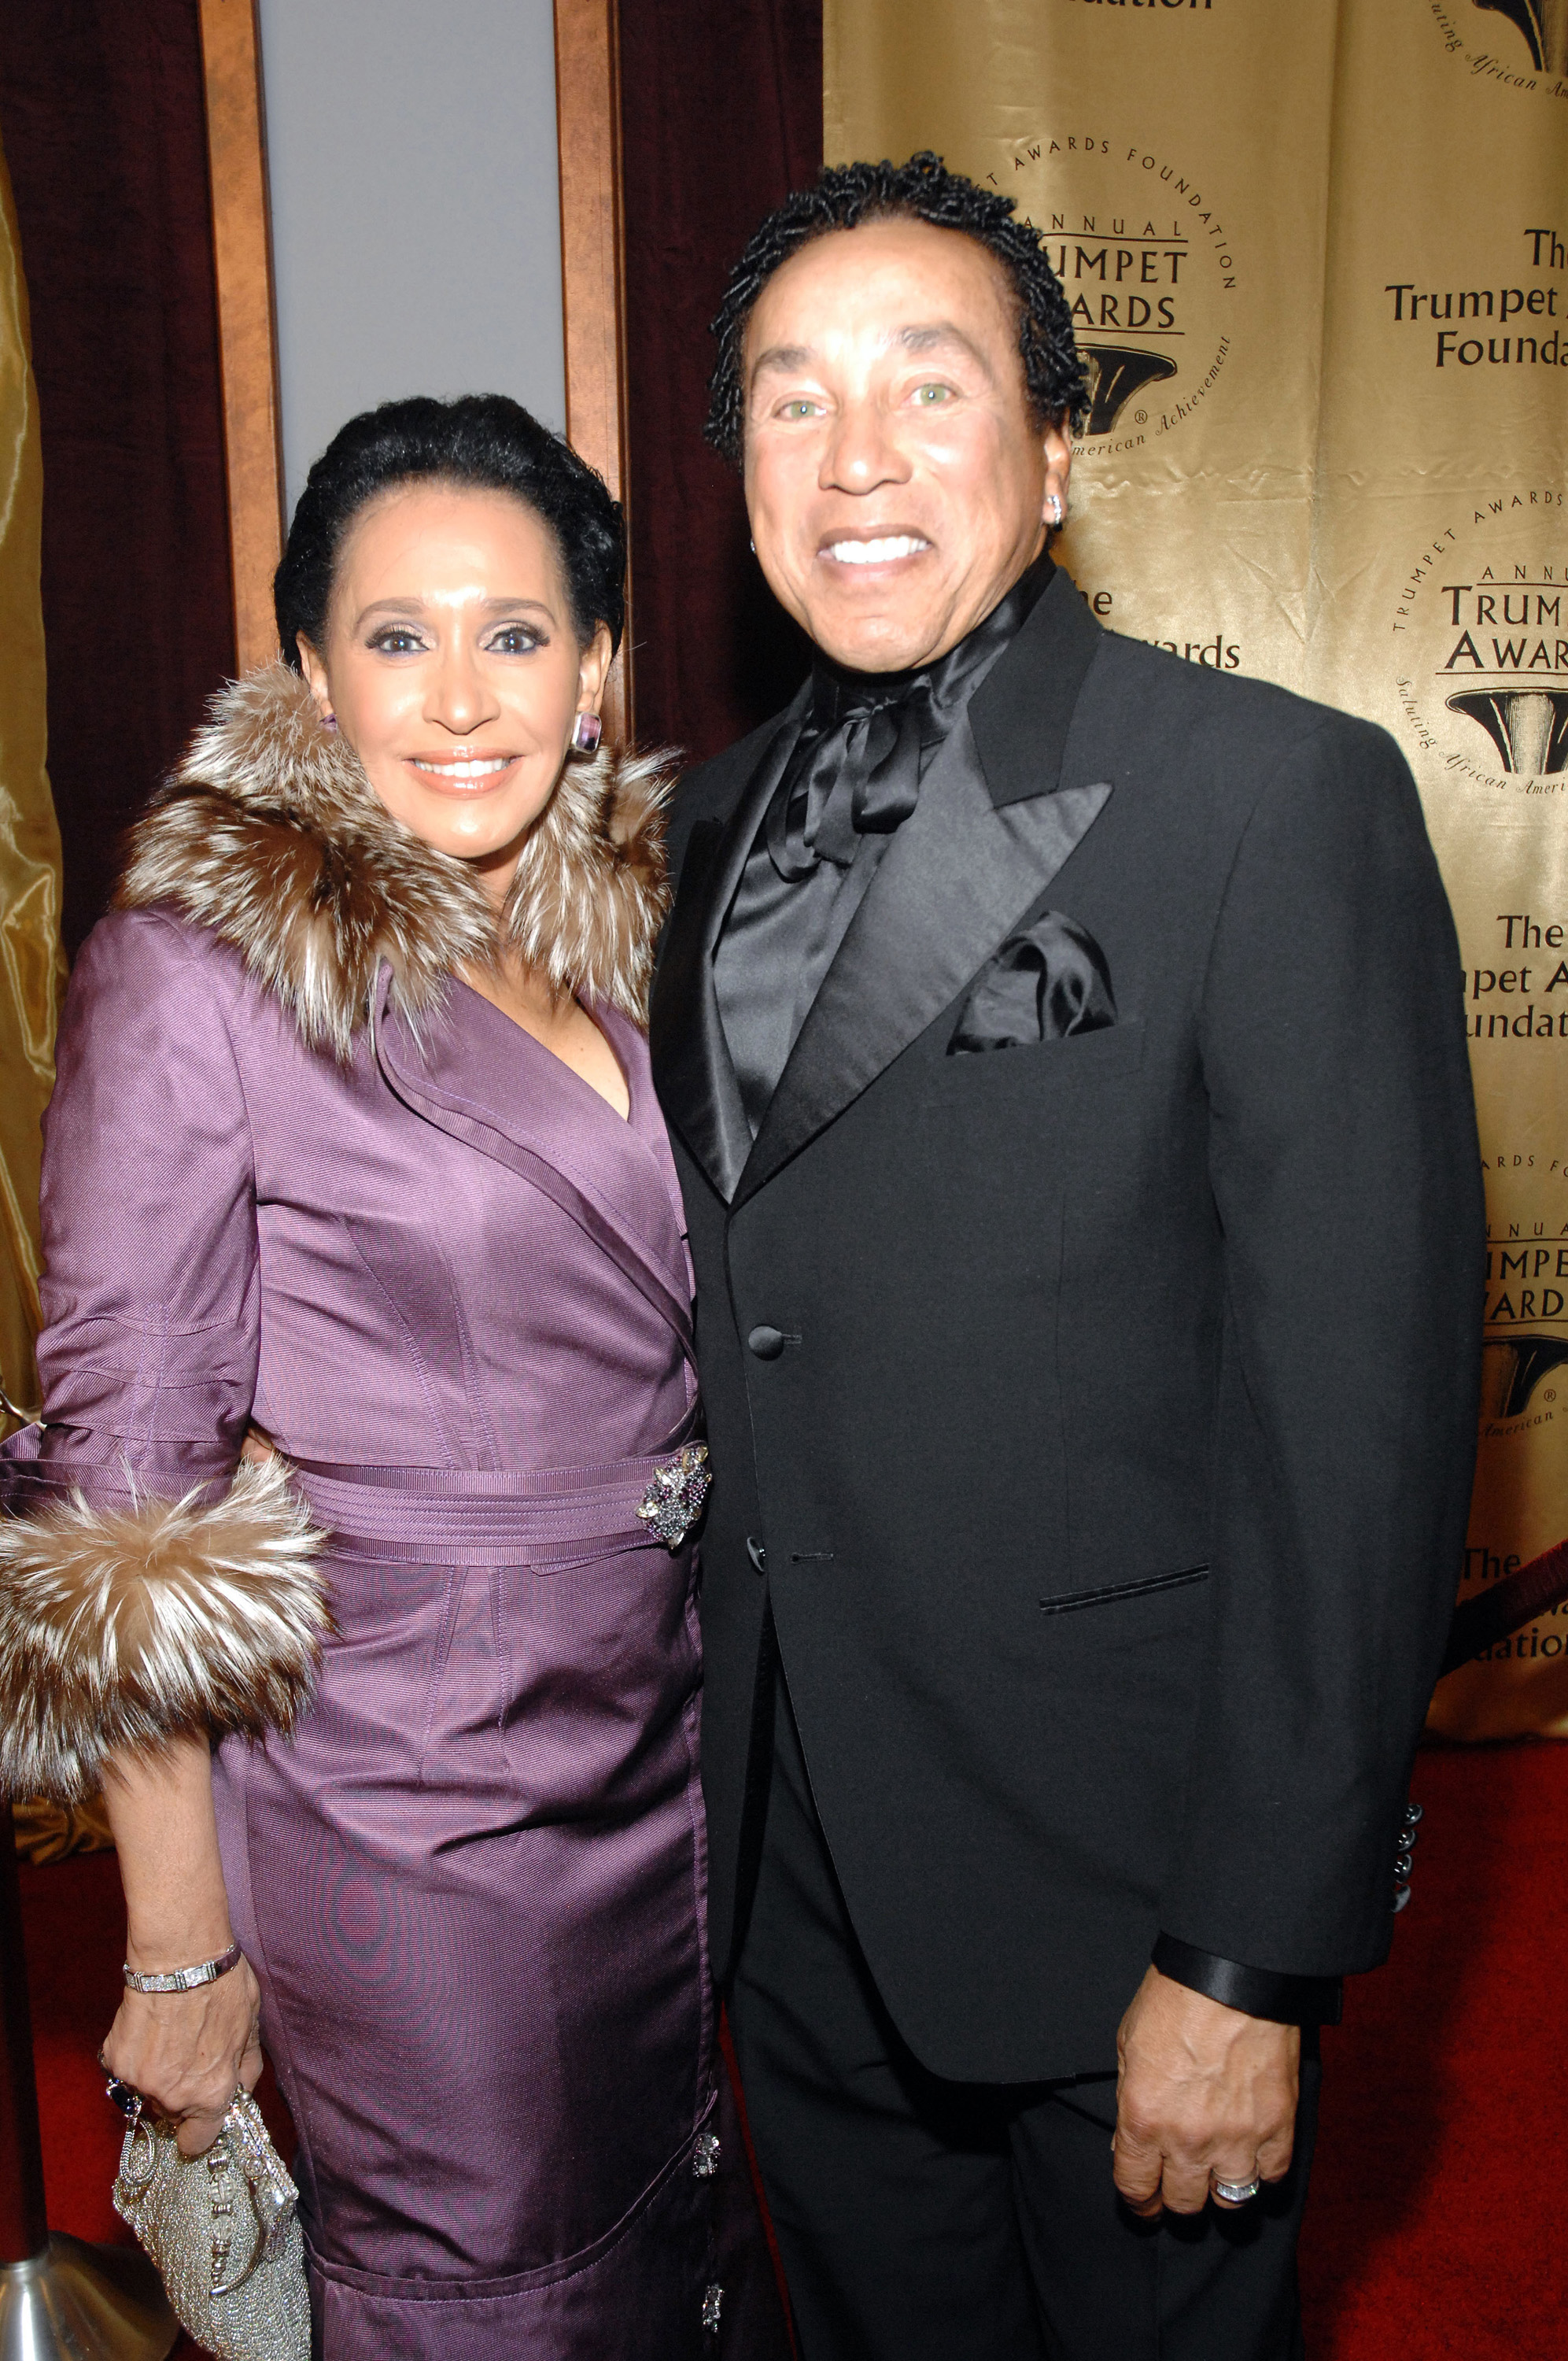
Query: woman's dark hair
point(484, 439)
point(921, 189)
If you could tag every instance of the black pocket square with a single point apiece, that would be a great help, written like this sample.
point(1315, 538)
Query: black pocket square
point(1047, 981)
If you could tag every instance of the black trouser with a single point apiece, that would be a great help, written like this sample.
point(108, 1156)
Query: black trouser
point(923, 2220)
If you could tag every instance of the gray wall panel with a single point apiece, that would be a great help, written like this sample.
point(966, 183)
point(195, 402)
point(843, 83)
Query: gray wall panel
point(416, 223)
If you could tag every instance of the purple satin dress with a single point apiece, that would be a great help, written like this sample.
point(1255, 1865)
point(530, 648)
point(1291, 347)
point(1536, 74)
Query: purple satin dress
point(452, 1283)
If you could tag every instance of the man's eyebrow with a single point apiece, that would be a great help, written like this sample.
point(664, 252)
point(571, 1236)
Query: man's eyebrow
point(928, 336)
point(931, 337)
point(783, 357)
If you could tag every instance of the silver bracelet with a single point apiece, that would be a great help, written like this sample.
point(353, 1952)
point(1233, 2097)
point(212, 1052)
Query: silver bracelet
point(186, 1979)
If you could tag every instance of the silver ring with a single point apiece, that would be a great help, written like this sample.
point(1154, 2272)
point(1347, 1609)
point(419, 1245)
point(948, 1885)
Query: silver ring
point(1237, 2192)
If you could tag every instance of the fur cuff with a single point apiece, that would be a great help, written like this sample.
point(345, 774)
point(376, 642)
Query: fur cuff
point(124, 1629)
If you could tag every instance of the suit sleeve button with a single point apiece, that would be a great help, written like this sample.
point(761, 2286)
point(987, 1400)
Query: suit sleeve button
point(766, 1343)
point(756, 1551)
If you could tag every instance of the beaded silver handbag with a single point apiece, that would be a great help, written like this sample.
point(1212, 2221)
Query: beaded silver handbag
point(223, 2231)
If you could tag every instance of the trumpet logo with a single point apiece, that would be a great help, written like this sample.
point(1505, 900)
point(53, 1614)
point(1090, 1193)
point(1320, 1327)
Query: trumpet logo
point(1544, 23)
point(1528, 727)
point(1116, 372)
point(1513, 1368)
point(1148, 274)
point(1503, 666)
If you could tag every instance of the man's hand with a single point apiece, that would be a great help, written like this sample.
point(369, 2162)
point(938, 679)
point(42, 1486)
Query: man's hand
point(1203, 2094)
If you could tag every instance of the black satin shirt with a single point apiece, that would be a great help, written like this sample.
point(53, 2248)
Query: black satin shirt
point(831, 819)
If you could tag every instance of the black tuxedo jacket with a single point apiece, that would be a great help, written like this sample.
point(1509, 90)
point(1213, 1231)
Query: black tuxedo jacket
point(1096, 1412)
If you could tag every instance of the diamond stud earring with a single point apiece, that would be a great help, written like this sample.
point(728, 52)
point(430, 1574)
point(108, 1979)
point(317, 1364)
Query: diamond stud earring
point(1056, 510)
point(587, 735)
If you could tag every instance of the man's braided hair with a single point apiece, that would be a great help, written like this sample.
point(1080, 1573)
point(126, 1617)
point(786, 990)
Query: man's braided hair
point(922, 189)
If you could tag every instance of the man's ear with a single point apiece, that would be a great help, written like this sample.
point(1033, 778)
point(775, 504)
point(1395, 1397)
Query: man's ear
point(1057, 447)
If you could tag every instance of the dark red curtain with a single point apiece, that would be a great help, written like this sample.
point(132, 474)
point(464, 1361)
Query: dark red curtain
point(721, 115)
point(102, 117)
point(100, 113)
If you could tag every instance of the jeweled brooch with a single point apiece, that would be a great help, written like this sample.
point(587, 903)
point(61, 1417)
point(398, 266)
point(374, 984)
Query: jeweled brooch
point(673, 1502)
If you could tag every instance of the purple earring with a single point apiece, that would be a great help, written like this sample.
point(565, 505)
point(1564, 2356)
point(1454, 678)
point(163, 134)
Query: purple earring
point(587, 733)
point(329, 721)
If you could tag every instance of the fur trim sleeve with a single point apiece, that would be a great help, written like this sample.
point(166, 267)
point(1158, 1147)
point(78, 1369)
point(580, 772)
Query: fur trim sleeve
point(124, 1629)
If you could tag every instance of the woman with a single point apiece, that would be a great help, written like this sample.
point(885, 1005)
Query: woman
point(354, 1148)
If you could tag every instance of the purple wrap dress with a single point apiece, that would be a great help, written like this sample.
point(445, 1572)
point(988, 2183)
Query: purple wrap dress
point(451, 1283)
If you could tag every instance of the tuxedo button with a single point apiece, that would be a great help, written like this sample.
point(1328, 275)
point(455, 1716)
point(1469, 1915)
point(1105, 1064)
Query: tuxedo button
point(766, 1343)
point(757, 1552)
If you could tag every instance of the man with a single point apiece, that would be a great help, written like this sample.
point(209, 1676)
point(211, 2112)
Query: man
point(1070, 1098)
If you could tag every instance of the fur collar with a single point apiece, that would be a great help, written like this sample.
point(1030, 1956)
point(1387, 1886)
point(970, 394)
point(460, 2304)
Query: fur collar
point(270, 834)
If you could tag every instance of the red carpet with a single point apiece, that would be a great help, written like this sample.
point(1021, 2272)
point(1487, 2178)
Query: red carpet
point(1441, 2181)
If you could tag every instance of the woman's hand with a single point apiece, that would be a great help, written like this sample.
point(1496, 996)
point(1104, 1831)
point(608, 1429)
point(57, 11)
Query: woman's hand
point(188, 2053)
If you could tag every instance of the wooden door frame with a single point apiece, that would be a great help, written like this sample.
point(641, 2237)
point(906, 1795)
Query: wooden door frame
point(593, 275)
point(247, 335)
point(588, 117)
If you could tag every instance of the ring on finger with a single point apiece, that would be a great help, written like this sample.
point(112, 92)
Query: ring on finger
point(1237, 2192)
point(124, 2096)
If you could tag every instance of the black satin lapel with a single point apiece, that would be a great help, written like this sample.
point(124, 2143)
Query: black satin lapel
point(692, 1071)
point(954, 882)
point(1023, 712)
point(692, 1068)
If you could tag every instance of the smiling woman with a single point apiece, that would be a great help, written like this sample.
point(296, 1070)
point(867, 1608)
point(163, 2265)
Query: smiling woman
point(460, 699)
point(390, 1564)
point(455, 662)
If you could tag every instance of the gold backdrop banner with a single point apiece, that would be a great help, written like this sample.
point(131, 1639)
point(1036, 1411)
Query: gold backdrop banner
point(30, 963)
point(1318, 260)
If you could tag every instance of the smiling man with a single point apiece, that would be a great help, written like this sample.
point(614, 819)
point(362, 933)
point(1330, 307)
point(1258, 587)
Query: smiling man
point(1073, 1116)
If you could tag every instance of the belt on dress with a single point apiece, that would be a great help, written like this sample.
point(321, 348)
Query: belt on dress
point(463, 1517)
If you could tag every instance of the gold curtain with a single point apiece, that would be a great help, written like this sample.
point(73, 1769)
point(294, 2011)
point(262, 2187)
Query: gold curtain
point(31, 966)
point(1318, 258)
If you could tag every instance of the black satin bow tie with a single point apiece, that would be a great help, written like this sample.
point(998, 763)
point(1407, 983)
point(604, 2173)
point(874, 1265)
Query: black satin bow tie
point(860, 778)
point(856, 770)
